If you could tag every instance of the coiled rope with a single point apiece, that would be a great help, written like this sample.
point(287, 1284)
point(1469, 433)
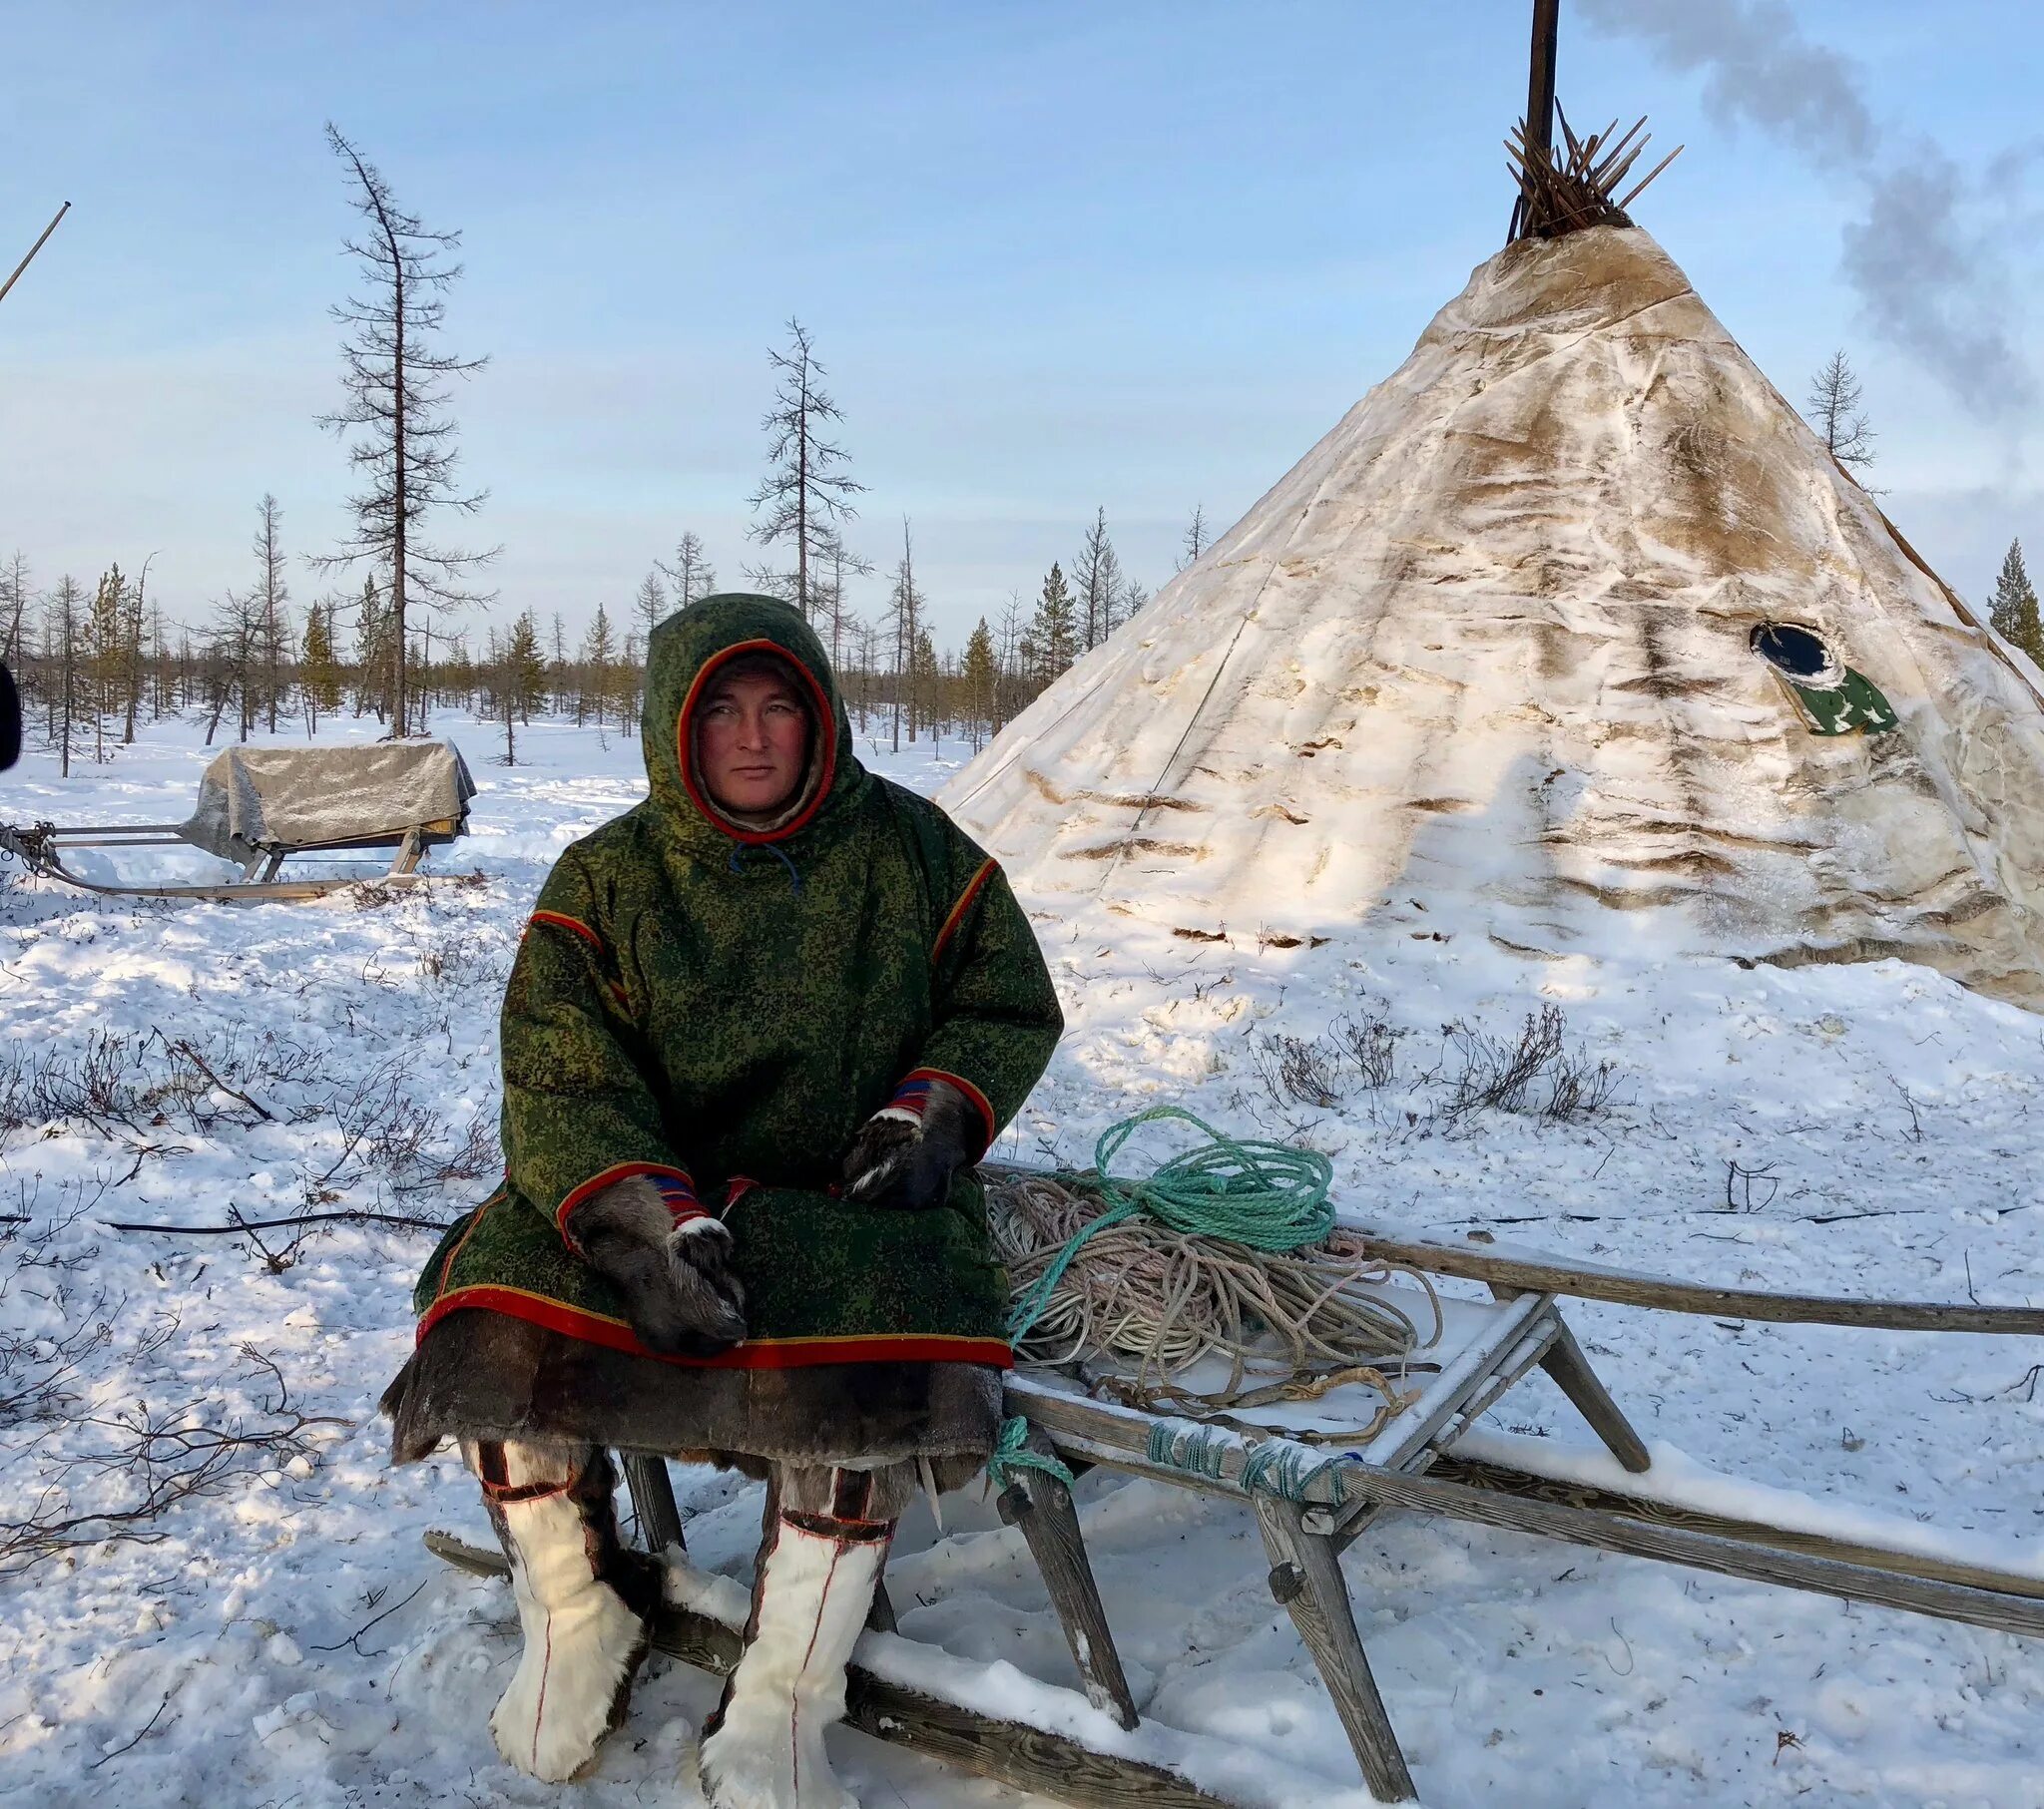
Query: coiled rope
point(1228, 1249)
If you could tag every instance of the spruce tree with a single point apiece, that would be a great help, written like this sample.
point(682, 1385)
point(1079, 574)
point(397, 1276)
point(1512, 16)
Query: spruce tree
point(599, 654)
point(2013, 614)
point(979, 677)
point(319, 673)
point(372, 652)
point(108, 639)
point(926, 686)
point(525, 666)
point(1053, 631)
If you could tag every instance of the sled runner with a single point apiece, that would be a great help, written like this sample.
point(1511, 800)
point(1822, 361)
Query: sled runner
point(1316, 1471)
point(260, 807)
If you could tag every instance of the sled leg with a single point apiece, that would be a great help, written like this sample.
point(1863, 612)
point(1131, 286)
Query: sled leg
point(1306, 1576)
point(660, 1521)
point(880, 1617)
point(1042, 1507)
point(1571, 1373)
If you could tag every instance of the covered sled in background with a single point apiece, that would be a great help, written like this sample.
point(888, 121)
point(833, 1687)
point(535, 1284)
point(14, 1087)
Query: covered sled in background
point(261, 806)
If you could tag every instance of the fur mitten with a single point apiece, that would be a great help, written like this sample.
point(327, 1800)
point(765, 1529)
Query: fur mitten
point(906, 1154)
point(676, 1279)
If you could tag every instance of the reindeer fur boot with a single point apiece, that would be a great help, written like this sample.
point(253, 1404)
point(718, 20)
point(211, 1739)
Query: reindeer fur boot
point(817, 1572)
point(585, 1603)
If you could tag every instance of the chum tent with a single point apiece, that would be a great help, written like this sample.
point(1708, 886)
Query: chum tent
point(1571, 634)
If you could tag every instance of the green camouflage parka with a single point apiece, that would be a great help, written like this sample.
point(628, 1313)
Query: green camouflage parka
point(722, 1008)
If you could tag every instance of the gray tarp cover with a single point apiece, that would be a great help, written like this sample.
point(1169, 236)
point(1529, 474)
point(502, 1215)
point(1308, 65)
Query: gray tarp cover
point(251, 798)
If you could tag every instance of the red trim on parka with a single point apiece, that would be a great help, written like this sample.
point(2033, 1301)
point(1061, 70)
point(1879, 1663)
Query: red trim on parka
point(619, 1171)
point(560, 920)
point(753, 1353)
point(974, 1097)
point(987, 869)
point(685, 752)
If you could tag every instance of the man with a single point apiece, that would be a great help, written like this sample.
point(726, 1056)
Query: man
point(758, 1033)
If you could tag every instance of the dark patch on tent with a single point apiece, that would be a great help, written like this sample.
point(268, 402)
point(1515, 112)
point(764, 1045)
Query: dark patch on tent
point(1832, 698)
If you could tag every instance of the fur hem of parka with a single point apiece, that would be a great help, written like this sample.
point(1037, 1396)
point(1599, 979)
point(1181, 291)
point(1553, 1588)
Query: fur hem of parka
point(484, 1375)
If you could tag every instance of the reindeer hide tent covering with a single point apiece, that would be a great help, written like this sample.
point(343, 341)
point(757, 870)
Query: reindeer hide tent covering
point(1499, 656)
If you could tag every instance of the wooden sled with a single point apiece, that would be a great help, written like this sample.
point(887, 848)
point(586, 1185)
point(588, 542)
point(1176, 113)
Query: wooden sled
point(262, 807)
point(41, 849)
point(1311, 1498)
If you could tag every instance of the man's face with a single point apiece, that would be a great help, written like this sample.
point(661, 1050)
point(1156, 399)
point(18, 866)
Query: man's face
point(752, 743)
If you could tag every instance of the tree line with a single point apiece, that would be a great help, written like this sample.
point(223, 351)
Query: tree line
point(95, 664)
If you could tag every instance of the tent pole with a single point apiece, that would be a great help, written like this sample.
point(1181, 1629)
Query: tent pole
point(1540, 88)
point(32, 250)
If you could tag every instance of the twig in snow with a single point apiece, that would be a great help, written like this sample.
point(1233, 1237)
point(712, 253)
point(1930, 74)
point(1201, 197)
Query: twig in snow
point(367, 1624)
point(1631, 1663)
point(273, 1224)
point(1737, 1176)
point(1909, 1103)
point(185, 1049)
point(115, 1752)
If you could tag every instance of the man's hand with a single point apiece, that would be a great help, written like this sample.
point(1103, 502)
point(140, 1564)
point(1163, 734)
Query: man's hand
point(906, 1160)
point(676, 1281)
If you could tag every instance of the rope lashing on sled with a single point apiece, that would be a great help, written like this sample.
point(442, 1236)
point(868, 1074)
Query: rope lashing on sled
point(1187, 1445)
point(1012, 1452)
point(1275, 1467)
point(1228, 1249)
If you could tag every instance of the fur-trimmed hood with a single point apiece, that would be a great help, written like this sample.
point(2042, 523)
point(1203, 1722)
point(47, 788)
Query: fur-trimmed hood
point(684, 654)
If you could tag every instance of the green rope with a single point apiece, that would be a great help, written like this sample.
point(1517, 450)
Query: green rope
point(1268, 1196)
point(1012, 1452)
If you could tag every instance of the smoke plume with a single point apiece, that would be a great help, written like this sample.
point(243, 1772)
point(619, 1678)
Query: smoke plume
point(1920, 253)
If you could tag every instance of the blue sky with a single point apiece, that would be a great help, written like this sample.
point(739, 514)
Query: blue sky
point(1139, 256)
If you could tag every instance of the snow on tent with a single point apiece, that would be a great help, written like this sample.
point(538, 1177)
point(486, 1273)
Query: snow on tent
point(1571, 632)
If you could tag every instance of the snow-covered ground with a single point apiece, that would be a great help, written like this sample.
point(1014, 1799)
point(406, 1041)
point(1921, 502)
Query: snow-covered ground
point(280, 1638)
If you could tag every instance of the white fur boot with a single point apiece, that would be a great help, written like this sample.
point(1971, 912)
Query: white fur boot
point(765, 1750)
point(571, 1576)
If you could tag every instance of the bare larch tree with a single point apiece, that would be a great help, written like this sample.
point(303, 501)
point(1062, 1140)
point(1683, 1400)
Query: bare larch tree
point(808, 492)
point(397, 378)
point(692, 573)
point(904, 620)
point(272, 595)
point(1097, 584)
point(1833, 408)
